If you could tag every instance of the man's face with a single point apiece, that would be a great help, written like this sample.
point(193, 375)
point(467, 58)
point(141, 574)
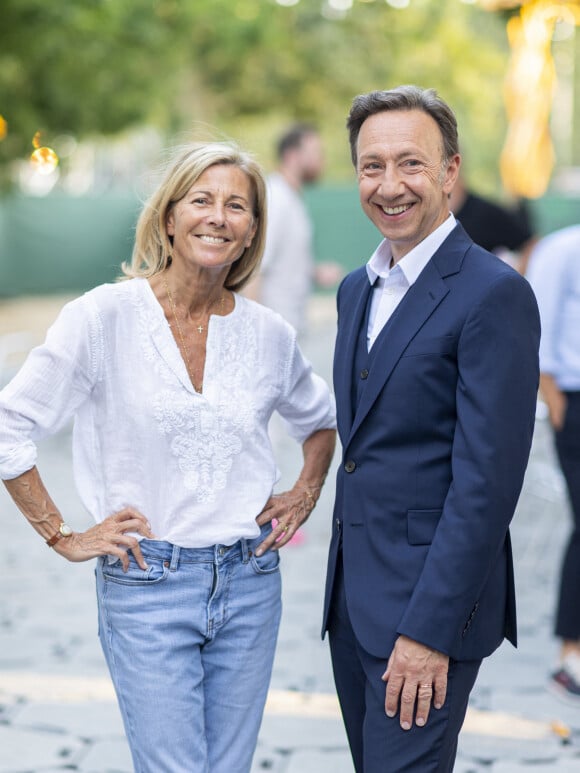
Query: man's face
point(403, 180)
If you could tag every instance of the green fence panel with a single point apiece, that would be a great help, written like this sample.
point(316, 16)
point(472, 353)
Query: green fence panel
point(342, 232)
point(63, 244)
point(69, 244)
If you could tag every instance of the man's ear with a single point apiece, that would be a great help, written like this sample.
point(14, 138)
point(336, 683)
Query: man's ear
point(451, 173)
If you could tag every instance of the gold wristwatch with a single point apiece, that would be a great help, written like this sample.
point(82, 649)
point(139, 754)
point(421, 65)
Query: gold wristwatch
point(64, 530)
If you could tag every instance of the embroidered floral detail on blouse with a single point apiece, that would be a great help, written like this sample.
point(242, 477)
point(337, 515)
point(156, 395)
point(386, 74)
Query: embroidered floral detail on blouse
point(202, 441)
point(205, 431)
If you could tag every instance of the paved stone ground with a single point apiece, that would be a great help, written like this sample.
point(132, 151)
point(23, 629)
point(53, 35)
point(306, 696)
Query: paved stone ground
point(57, 709)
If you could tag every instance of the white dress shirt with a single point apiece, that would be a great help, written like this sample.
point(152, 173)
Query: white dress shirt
point(287, 269)
point(200, 467)
point(554, 273)
point(391, 283)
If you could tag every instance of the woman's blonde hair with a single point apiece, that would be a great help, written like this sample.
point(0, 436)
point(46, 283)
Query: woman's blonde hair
point(152, 248)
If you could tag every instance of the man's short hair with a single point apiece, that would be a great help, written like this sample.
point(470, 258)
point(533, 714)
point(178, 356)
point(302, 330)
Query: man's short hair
point(404, 98)
point(293, 136)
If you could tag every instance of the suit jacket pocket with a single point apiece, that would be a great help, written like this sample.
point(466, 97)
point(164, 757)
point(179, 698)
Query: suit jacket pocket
point(421, 526)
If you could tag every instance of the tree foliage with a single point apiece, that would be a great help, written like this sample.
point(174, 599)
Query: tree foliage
point(91, 67)
point(84, 67)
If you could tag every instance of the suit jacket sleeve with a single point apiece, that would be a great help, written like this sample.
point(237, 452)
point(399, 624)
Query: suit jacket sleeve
point(496, 398)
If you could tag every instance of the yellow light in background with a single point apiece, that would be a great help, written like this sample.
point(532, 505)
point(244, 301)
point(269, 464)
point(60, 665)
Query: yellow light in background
point(3, 128)
point(44, 160)
point(528, 156)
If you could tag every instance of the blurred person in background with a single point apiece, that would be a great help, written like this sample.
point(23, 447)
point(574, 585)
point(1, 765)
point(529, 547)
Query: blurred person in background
point(508, 233)
point(171, 377)
point(554, 273)
point(288, 271)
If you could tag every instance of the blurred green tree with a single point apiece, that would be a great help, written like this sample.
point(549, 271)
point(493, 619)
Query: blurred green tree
point(93, 67)
point(85, 67)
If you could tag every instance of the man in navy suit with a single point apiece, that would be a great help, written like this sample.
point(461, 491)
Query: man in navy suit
point(436, 375)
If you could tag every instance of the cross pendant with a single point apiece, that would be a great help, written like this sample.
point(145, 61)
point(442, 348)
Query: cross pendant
point(199, 329)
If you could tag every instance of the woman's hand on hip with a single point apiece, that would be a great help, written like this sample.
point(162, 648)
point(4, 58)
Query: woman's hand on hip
point(290, 510)
point(110, 537)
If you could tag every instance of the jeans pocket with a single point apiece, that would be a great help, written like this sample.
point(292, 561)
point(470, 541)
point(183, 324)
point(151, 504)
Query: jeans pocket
point(156, 572)
point(267, 563)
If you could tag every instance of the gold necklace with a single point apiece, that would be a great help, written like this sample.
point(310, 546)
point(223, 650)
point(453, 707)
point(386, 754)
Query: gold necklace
point(199, 329)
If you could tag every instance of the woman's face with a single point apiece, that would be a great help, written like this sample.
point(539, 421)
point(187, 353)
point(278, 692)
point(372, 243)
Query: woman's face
point(213, 223)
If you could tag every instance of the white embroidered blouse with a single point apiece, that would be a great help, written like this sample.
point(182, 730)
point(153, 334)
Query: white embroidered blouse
point(200, 467)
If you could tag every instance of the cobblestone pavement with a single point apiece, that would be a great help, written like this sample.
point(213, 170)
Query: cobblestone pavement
point(57, 709)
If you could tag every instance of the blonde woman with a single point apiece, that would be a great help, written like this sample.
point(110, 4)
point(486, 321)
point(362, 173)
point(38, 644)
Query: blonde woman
point(172, 377)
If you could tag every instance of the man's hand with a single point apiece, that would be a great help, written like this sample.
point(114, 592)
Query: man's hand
point(555, 399)
point(557, 405)
point(416, 675)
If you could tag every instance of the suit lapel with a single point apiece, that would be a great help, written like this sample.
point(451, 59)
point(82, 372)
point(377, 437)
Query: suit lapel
point(414, 310)
point(352, 312)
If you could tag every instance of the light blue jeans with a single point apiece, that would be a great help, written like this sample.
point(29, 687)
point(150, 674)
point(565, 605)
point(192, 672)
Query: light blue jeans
point(190, 644)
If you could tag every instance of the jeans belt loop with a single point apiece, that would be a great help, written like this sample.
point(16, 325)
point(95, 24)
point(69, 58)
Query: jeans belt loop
point(174, 558)
point(245, 550)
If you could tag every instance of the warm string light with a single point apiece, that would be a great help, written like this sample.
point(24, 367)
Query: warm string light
point(43, 159)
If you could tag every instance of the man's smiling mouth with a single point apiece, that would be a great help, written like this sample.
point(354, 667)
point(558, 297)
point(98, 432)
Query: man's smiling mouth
point(396, 210)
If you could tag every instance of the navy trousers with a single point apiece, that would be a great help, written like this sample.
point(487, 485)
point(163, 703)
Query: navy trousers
point(377, 742)
point(568, 449)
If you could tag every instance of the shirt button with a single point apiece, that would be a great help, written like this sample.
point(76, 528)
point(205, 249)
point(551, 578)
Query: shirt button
point(350, 466)
point(364, 373)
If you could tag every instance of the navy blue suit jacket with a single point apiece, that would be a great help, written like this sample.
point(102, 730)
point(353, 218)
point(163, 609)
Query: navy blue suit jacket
point(435, 453)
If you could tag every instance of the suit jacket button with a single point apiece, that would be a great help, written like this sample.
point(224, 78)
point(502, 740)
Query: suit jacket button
point(364, 373)
point(350, 466)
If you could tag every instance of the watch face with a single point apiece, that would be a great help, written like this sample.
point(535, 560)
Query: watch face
point(65, 530)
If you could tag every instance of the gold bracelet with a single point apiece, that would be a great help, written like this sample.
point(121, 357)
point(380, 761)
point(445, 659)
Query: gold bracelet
point(309, 493)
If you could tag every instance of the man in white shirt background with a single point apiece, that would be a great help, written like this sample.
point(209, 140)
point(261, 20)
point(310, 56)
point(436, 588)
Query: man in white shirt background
point(554, 273)
point(287, 273)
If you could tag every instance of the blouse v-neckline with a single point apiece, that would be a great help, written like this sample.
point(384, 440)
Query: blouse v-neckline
point(169, 350)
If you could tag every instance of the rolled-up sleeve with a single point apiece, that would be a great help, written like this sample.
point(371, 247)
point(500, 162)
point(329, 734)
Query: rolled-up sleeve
point(54, 380)
point(307, 404)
